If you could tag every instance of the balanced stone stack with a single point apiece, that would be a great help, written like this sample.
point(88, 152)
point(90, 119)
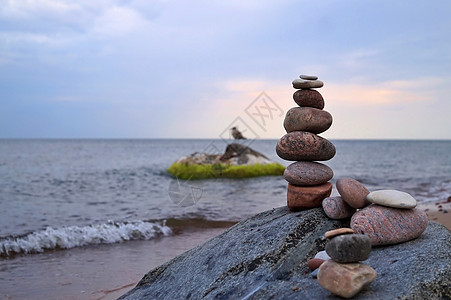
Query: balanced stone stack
point(308, 180)
point(386, 216)
point(344, 274)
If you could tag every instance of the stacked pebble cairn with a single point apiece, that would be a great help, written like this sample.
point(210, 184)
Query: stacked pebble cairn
point(307, 180)
point(378, 218)
point(383, 217)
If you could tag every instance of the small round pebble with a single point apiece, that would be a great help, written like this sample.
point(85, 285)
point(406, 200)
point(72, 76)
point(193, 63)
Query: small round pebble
point(315, 273)
point(322, 255)
point(392, 198)
point(332, 233)
point(308, 77)
point(314, 263)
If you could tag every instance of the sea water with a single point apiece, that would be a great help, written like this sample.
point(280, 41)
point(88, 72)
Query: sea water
point(102, 196)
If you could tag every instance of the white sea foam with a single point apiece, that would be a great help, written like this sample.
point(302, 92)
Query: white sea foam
point(75, 236)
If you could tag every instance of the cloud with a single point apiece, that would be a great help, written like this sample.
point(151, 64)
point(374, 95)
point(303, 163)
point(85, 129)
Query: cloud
point(119, 21)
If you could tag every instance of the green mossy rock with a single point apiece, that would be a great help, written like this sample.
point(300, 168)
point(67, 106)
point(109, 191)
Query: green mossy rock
point(197, 171)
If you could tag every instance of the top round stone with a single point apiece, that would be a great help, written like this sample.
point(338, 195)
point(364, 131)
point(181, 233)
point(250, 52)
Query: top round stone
point(308, 77)
point(392, 198)
point(307, 84)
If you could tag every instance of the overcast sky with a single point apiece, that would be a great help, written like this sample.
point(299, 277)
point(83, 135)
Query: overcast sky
point(192, 69)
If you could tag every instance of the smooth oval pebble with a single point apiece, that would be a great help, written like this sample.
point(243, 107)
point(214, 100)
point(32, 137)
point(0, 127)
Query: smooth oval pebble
point(392, 198)
point(345, 280)
point(307, 173)
point(306, 146)
point(336, 209)
point(307, 84)
point(349, 248)
point(308, 98)
point(387, 225)
point(305, 197)
point(308, 77)
point(353, 192)
point(335, 232)
point(309, 119)
point(314, 263)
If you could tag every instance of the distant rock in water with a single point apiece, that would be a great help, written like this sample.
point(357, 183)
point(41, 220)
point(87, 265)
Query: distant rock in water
point(267, 255)
point(238, 161)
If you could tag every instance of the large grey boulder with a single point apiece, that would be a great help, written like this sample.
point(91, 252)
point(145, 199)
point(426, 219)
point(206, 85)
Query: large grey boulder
point(266, 257)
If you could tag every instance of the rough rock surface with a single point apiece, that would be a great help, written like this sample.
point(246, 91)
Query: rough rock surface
point(302, 145)
point(386, 225)
point(235, 154)
point(309, 119)
point(307, 173)
point(270, 261)
point(309, 98)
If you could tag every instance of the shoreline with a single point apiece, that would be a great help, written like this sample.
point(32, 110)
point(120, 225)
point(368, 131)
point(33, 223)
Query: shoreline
point(438, 211)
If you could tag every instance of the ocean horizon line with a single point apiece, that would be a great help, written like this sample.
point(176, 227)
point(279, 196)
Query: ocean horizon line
point(206, 139)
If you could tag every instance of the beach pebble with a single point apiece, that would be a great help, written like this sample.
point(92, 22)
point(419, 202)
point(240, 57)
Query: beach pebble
point(302, 197)
point(336, 232)
point(306, 146)
point(387, 225)
point(315, 273)
point(322, 255)
point(308, 98)
point(309, 119)
point(349, 248)
point(352, 192)
point(314, 263)
point(308, 77)
point(392, 198)
point(307, 173)
point(345, 280)
point(307, 84)
point(335, 208)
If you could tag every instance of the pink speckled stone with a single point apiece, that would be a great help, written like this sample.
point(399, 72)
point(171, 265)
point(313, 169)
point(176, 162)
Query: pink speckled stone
point(307, 173)
point(387, 225)
point(303, 145)
point(335, 208)
point(307, 119)
point(309, 98)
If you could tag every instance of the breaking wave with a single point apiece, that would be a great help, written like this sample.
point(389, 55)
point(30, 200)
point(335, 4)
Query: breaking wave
point(75, 236)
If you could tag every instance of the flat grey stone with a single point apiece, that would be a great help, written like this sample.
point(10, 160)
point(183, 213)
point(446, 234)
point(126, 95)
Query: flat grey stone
point(307, 84)
point(271, 260)
point(308, 77)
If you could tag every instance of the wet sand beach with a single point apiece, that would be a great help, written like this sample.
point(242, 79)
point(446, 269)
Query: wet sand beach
point(439, 211)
